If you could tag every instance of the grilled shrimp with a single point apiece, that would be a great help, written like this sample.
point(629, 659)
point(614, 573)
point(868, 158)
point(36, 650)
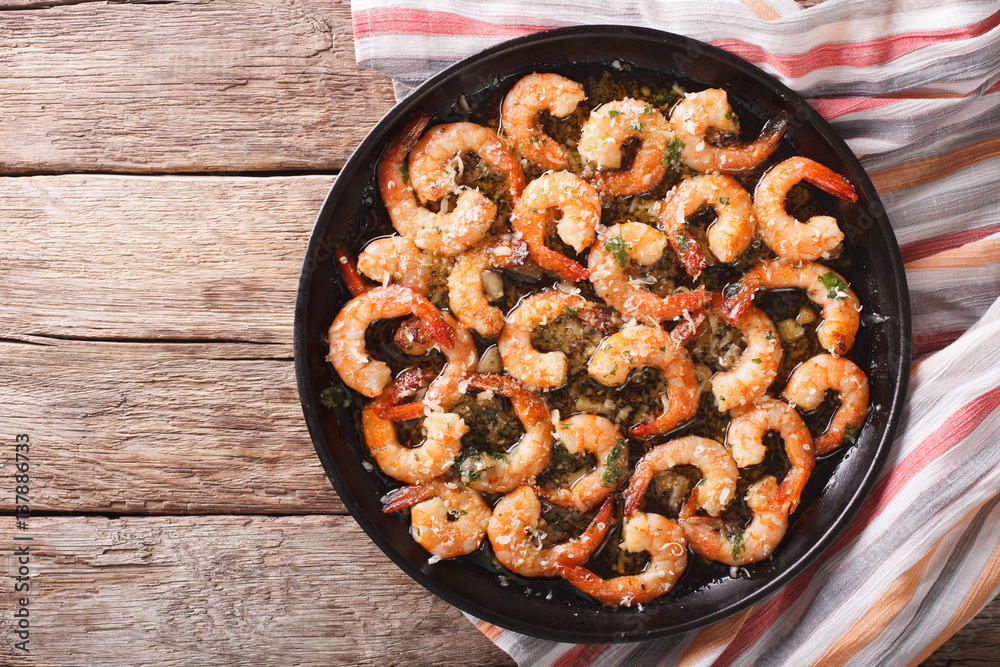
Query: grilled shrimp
point(789, 238)
point(708, 536)
point(438, 233)
point(520, 358)
point(607, 129)
point(413, 465)
point(644, 245)
point(517, 540)
point(519, 116)
point(757, 366)
point(841, 310)
point(529, 456)
point(580, 207)
point(446, 518)
point(397, 260)
point(745, 436)
point(718, 469)
point(434, 158)
point(693, 117)
point(466, 296)
point(348, 354)
point(639, 346)
point(728, 236)
point(657, 535)
point(590, 434)
point(807, 387)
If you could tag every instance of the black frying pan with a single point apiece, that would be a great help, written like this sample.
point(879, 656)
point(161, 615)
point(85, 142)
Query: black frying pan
point(838, 486)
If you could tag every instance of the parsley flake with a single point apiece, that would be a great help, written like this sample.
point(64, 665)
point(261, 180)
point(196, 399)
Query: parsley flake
point(336, 396)
point(724, 201)
point(619, 248)
point(571, 310)
point(614, 114)
point(732, 289)
point(851, 434)
point(835, 287)
point(738, 545)
point(672, 153)
point(616, 464)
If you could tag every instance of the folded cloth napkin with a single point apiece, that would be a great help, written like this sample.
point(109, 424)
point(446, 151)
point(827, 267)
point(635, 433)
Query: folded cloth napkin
point(914, 88)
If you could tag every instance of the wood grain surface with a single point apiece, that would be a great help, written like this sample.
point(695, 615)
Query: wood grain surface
point(227, 590)
point(161, 166)
point(182, 86)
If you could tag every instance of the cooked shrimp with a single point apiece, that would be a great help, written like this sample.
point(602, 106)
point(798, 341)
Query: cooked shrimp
point(397, 260)
point(529, 456)
point(807, 387)
point(757, 367)
point(413, 465)
point(728, 236)
point(693, 117)
point(348, 354)
point(789, 238)
point(607, 129)
point(708, 536)
point(520, 358)
point(657, 535)
point(580, 207)
point(436, 157)
point(438, 233)
point(517, 541)
point(466, 296)
point(718, 470)
point(446, 518)
point(519, 116)
point(639, 346)
point(745, 436)
point(644, 245)
point(590, 434)
point(841, 310)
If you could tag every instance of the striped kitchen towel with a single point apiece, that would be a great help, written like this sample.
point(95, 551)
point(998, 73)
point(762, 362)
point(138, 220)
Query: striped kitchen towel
point(913, 86)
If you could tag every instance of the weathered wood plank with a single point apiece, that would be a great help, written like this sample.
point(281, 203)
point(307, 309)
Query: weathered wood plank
point(159, 428)
point(155, 257)
point(226, 591)
point(186, 85)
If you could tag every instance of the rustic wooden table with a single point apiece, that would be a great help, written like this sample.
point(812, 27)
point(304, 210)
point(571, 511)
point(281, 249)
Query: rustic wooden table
point(162, 165)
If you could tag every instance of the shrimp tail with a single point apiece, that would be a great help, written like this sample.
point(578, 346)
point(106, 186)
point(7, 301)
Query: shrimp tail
point(637, 488)
point(688, 251)
point(828, 180)
point(399, 413)
point(404, 142)
point(675, 306)
point(407, 496)
point(774, 129)
point(734, 307)
point(429, 316)
point(349, 271)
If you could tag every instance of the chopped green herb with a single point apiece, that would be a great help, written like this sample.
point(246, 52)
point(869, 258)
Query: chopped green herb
point(835, 287)
point(336, 396)
point(647, 109)
point(571, 310)
point(534, 139)
point(851, 434)
point(672, 153)
point(738, 545)
point(619, 248)
point(769, 335)
point(682, 241)
point(637, 127)
point(405, 173)
point(616, 464)
point(732, 289)
point(614, 114)
point(756, 360)
point(724, 201)
point(729, 115)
